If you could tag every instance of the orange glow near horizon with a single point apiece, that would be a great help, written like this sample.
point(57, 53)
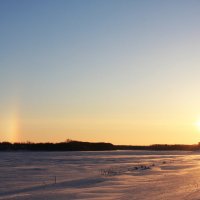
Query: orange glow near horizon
point(117, 129)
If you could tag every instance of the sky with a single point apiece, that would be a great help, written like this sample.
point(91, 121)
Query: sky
point(119, 71)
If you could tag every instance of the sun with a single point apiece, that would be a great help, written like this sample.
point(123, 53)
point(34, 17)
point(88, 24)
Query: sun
point(198, 124)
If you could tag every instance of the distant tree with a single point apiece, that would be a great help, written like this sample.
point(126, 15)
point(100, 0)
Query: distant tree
point(68, 140)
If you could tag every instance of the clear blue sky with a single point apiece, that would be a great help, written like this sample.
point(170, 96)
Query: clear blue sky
point(117, 71)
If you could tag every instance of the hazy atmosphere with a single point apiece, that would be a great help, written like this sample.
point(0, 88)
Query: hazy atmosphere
point(125, 72)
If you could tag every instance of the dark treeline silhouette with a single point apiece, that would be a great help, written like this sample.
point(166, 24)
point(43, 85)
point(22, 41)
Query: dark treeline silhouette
point(70, 145)
point(63, 146)
point(161, 147)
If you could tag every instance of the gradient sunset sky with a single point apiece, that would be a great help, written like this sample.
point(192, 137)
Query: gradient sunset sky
point(126, 72)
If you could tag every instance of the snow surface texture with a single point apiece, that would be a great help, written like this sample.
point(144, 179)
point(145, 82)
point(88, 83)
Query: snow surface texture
point(124, 175)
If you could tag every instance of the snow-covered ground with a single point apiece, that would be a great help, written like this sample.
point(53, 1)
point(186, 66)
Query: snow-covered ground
point(124, 175)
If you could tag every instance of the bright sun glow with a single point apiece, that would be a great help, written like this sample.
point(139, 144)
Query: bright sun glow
point(198, 124)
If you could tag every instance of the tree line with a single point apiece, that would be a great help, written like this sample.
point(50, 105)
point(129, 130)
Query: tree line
point(89, 146)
